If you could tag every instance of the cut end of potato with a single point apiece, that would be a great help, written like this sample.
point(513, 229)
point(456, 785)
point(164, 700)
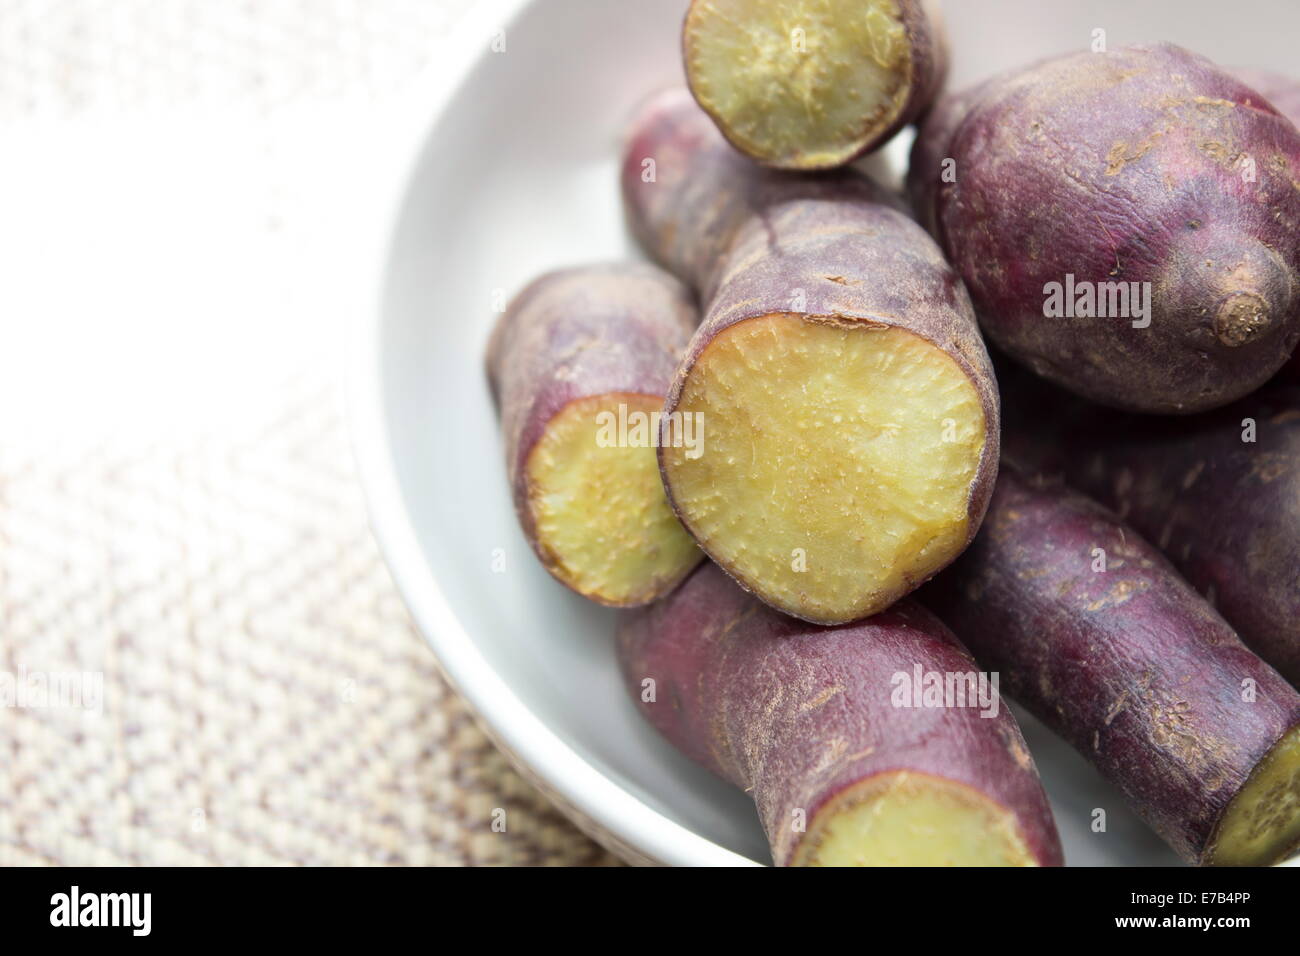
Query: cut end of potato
point(911, 819)
point(799, 84)
point(853, 448)
point(602, 522)
point(1262, 824)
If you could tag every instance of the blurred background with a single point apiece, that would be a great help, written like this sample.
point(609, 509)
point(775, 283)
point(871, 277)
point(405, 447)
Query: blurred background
point(188, 210)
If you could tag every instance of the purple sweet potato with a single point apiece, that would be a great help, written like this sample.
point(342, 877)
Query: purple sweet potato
point(821, 727)
point(579, 364)
point(851, 411)
point(930, 166)
point(1219, 494)
point(812, 84)
point(1095, 633)
point(1127, 223)
point(1283, 93)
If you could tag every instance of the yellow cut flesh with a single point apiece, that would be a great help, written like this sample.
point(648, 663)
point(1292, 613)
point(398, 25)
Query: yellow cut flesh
point(799, 83)
point(837, 465)
point(602, 521)
point(909, 819)
point(1262, 824)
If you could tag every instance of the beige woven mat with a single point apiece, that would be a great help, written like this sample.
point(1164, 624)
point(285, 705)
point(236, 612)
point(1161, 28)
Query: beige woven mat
point(179, 517)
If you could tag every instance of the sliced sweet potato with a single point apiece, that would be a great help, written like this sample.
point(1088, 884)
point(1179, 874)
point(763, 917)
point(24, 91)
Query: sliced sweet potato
point(579, 364)
point(1094, 632)
point(815, 724)
point(852, 412)
point(812, 84)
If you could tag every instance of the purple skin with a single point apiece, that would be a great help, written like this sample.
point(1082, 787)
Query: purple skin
point(1126, 167)
point(794, 713)
point(749, 240)
point(1225, 512)
point(577, 333)
point(703, 192)
point(1283, 93)
point(1130, 666)
point(926, 171)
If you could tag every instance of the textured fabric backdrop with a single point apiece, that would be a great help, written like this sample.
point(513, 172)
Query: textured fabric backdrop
point(178, 509)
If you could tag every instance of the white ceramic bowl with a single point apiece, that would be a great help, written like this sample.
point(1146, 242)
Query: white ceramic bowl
point(514, 173)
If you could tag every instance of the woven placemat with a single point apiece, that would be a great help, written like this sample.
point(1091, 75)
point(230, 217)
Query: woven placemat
point(186, 569)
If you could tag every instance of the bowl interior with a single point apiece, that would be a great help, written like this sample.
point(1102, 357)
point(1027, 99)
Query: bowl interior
point(519, 176)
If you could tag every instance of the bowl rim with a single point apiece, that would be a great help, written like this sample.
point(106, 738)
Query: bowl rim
point(595, 802)
point(600, 807)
